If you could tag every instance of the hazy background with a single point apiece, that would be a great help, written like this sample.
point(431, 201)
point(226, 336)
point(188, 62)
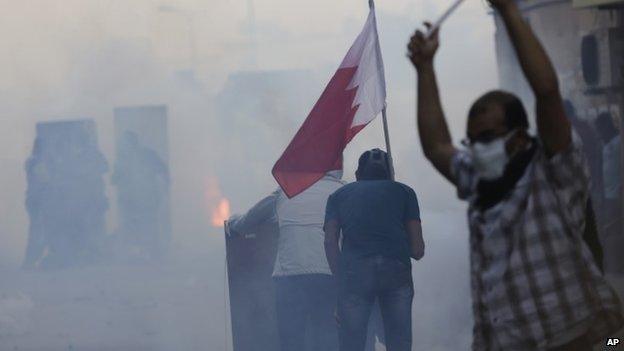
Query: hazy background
point(80, 59)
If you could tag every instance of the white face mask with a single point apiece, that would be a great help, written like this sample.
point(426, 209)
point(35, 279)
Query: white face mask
point(491, 159)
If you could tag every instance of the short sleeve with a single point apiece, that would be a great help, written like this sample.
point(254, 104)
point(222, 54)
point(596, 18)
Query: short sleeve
point(568, 174)
point(412, 210)
point(569, 168)
point(331, 209)
point(463, 172)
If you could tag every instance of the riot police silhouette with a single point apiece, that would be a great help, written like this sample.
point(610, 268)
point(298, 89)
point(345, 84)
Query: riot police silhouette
point(142, 179)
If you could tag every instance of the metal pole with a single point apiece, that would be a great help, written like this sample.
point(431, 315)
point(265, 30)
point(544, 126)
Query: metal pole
point(444, 16)
point(371, 5)
point(387, 138)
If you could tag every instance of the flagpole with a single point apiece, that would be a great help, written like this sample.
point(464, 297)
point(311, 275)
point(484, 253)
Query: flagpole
point(444, 16)
point(384, 117)
point(387, 137)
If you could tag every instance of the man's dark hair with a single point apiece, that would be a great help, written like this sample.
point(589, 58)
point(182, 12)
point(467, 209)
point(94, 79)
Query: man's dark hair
point(515, 114)
point(373, 165)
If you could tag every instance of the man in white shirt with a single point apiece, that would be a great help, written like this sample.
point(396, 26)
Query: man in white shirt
point(305, 289)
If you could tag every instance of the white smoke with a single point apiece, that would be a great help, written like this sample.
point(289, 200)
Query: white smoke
point(76, 58)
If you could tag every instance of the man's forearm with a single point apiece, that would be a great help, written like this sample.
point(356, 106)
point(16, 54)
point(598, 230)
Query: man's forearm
point(417, 244)
point(533, 59)
point(553, 127)
point(331, 252)
point(417, 247)
point(431, 124)
point(432, 127)
point(260, 213)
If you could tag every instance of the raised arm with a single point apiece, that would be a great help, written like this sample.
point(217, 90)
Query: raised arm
point(434, 133)
point(553, 126)
point(260, 213)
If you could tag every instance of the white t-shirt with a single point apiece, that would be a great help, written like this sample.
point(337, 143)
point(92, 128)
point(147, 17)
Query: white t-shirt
point(300, 247)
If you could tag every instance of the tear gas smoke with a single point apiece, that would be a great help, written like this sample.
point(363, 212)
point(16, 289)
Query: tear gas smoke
point(234, 102)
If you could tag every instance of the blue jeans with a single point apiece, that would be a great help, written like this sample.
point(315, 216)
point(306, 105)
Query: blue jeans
point(305, 312)
point(363, 281)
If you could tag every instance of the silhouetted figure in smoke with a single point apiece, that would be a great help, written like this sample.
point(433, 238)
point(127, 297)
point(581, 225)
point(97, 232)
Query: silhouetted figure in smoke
point(612, 175)
point(65, 197)
point(141, 178)
point(591, 147)
point(593, 153)
point(38, 187)
point(611, 169)
point(90, 197)
point(75, 214)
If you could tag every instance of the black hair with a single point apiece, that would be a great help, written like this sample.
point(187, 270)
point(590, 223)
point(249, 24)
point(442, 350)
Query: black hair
point(515, 114)
point(373, 165)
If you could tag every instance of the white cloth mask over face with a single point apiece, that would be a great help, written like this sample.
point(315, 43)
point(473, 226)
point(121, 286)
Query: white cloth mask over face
point(490, 159)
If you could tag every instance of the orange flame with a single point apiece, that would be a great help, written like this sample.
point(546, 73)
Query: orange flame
point(217, 205)
point(221, 213)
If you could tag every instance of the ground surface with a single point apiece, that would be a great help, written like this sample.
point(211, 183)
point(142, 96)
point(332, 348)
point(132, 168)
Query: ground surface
point(177, 306)
point(181, 305)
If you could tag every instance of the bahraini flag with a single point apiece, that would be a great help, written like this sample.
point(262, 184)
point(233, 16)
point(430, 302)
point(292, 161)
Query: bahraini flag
point(355, 95)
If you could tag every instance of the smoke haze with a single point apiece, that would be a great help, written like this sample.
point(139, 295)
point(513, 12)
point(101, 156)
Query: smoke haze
point(81, 59)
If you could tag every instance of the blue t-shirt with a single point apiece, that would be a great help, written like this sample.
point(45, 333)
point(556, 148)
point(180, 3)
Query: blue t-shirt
point(372, 215)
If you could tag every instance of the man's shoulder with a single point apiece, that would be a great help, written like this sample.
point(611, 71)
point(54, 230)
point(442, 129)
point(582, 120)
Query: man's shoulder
point(330, 185)
point(344, 189)
point(403, 186)
point(392, 185)
point(344, 186)
point(365, 185)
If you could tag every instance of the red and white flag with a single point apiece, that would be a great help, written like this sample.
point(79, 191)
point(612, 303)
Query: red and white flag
point(355, 95)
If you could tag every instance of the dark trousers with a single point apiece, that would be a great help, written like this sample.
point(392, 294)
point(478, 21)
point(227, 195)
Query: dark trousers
point(362, 282)
point(305, 312)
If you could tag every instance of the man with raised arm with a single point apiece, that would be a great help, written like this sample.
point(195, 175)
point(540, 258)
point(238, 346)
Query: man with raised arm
point(534, 283)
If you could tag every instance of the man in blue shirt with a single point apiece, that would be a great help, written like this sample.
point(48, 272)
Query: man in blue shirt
point(378, 221)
